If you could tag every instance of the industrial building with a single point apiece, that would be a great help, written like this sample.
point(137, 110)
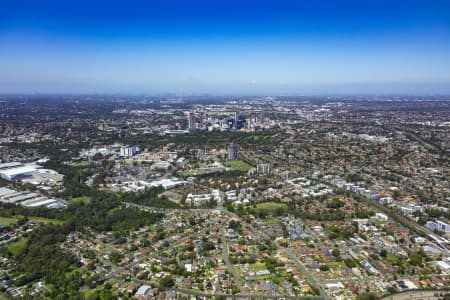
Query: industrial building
point(28, 199)
point(31, 173)
point(17, 172)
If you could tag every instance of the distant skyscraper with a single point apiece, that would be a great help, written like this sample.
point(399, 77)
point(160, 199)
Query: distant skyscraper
point(235, 116)
point(232, 151)
point(240, 123)
point(191, 121)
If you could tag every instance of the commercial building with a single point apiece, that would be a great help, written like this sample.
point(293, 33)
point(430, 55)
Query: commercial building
point(264, 168)
point(191, 121)
point(129, 151)
point(438, 225)
point(232, 151)
point(167, 183)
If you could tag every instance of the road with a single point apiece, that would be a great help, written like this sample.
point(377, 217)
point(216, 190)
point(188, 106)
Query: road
point(415, 227)
point(420, 140)
point(312, 280)
point(245, 296)
point(297, 262)
point(411, 224)
point(316, 238)
point(373, 278)
point(162, 210)
point(226, 259)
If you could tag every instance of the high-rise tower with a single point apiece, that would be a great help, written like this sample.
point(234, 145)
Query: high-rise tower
point(191, 121)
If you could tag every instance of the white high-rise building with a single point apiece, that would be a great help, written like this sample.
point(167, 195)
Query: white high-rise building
point(128, 151)
point(264, 168)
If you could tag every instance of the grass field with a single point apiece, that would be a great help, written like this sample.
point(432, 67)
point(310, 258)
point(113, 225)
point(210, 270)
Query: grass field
point(7, 221)
point(46, 220)
point(258, 266)
point(188, 174)
point(17, 246)
point(270, 220)
point(238, 165)
point(82, 199)
point(79, 165)
point(270, 207)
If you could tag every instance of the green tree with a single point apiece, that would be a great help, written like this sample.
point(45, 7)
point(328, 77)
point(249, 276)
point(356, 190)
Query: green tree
point(336, 252)
point(166, 282)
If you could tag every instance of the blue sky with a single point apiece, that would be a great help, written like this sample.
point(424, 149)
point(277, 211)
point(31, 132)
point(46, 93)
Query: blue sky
point(225, 47)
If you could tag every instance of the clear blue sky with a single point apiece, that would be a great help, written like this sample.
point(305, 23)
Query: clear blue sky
point(273, 47)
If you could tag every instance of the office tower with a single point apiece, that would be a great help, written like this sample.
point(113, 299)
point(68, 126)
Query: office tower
point(232, 151)
point(191, 121)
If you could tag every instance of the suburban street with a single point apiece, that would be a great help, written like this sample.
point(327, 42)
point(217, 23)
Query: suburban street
point(226, 259)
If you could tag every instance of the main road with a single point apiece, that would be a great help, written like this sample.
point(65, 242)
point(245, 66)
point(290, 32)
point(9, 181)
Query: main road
point(227, 261)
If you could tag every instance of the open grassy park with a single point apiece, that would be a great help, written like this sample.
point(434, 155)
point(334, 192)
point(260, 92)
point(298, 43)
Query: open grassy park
point(46, 220)
point(238, 165)
point(4, 221)
point(18, 246)
point(81, 199)
point(270, 207)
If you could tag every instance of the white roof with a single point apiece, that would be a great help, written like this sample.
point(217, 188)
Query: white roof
point(443, 265)
point(18, 170)
point(22, 197)
point(6, 191)
point(10, 164)
point(142, 290)
point(41, 203)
